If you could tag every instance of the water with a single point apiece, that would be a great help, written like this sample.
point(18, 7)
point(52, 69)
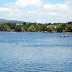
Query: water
point(35, 52)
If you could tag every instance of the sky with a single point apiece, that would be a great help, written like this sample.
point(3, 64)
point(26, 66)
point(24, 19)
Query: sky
point(41, 11)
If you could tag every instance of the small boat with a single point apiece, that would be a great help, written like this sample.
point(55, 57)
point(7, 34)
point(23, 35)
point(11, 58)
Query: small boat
point(64, 36)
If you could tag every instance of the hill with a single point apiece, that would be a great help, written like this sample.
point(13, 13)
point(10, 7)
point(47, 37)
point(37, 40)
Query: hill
point(10, 21)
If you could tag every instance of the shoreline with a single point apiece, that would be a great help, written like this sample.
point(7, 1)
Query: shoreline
point(33, 32)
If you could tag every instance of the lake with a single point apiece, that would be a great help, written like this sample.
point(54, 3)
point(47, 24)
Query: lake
point(35, 52)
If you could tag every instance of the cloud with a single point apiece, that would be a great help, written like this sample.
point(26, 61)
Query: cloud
point(56, 7)
point(38, 10)
point(59, 12)
point(3, 9)
point(24, 3)
point(68, 2)
point(28, 2)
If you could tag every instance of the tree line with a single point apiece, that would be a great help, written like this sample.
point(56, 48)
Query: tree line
point(36, 27)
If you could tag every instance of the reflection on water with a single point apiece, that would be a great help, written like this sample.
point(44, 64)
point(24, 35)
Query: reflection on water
point(35, 52)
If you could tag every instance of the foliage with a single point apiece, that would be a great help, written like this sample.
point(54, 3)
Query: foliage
point(36, 27)
point(31, 28)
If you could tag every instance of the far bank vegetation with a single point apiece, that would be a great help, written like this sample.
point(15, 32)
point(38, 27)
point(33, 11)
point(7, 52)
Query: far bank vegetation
point(36, 27)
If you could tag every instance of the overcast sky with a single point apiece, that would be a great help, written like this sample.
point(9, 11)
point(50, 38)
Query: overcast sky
point(36, 10)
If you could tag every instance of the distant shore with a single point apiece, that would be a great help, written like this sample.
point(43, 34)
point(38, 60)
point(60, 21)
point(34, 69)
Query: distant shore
point(36, 27)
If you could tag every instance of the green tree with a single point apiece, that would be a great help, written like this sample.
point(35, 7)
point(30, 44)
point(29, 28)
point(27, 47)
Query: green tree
point(18, 28)
point(22, 29)
point(31, 28)
point(61, 28)
point(4, 27)
point(68, 29)
point(49, 30)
